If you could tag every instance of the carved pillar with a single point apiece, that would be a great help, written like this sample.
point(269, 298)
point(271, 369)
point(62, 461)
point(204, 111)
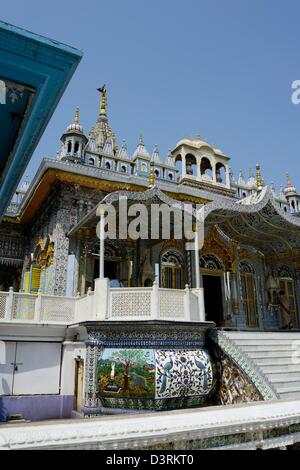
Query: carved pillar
point(60, 265)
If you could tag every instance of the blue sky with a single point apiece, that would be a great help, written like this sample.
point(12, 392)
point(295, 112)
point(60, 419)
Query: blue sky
point(173, 68)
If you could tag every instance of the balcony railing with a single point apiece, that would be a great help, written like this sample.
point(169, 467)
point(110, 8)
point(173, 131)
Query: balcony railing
point(105, 303)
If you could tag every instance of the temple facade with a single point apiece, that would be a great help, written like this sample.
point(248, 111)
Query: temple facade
point(126, 319)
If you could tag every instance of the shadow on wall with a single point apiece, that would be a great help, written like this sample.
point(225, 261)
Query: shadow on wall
point(3, 411)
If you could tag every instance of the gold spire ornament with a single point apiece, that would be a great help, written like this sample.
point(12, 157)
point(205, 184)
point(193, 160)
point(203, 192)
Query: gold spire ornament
point(198, 136)
point(258, 178)
point(102, 90)
point(151, 177)
point(76, 116)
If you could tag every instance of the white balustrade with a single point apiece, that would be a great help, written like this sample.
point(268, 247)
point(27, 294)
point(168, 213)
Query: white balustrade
point(105, 303)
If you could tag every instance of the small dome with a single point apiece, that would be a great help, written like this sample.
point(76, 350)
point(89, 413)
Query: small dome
point(75, 126)
point(290, 189)
point(197, 144)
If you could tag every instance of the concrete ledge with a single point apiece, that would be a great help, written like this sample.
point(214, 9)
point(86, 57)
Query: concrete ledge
point(246, 426)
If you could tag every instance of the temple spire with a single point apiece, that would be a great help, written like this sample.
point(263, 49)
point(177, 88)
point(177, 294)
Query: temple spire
point(258, 178)
point(76, 120)
point(102, 111)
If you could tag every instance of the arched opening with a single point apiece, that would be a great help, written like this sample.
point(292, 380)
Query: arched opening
point(76, 147)
point(107, 165)
point(191, 165)
point(220, 173)
point(91, 161)
point(172, 269)
point(249, 293)
point(293, 205)
point(287, 284)
point(206, 169)
point(123, 169)
point(178, 165)
point(170, 176)
point(156, 173)
point(212, 271)
point(69, 146)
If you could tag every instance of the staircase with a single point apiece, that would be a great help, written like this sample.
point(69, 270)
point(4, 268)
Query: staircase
point(276, 355)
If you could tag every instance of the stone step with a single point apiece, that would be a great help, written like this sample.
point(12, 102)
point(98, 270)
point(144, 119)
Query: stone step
point(274, 353)
point(264, 342)
point(284, 379)
point(287, 335)
point(268, 354)
point(289, 392)
point(266, 347)
point(269, 361)
point(280, 369)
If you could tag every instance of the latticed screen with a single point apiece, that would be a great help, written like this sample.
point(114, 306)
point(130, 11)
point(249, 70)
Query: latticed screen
point(249, 298)
point(288, 286)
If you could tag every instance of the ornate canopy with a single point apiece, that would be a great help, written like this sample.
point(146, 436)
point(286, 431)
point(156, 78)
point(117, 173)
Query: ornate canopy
point(257, 221)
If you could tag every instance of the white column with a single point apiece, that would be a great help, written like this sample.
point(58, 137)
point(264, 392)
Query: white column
point(187, 304)
point(38, 307)
point(227, 177)
point(9, 311)
point(155, 302)
point(197, 265)
point(101, 252)
point(183, 165)
point(214, 174)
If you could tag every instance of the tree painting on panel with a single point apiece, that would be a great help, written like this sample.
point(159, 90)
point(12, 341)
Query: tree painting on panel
point(126, 373)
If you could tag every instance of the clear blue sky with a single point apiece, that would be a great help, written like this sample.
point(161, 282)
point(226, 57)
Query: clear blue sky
point(173, 68)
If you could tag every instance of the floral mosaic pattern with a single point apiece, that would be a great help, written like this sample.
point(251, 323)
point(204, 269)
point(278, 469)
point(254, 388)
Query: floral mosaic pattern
point(182, 373)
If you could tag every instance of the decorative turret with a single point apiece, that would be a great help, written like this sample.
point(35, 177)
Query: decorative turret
point(170, 160)
point(241, 180)
point(102, 131)
point(289, 190)
point(141, 158)
point(73, 142)
point(251, 183)
point(155, 158)
point(291, 195)
point(123, 163)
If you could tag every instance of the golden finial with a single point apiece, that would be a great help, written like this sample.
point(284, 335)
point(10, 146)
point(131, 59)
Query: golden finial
point(141, 138)
point(151, 177)
point(76, 116)
point(198, 136)
point(102, 90)
point(288, 180)
point(258, 177)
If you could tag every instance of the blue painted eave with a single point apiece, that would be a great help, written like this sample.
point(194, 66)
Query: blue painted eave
point(45, 67)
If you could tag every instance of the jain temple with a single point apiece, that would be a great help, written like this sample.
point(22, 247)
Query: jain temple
point(96, 326)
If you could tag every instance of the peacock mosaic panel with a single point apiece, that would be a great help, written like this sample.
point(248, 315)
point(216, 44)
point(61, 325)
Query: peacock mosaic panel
point(153, 374)
point(182, 373)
